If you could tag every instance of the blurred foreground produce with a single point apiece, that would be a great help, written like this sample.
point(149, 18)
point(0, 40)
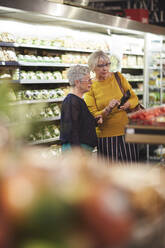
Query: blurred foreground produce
point(76, 201)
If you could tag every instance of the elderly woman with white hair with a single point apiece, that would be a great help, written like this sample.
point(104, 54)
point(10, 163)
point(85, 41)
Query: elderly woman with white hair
point(77, 128)
point(104, 99)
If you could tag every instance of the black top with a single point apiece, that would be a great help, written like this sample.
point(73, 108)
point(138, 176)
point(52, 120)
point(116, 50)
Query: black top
point(77, 123)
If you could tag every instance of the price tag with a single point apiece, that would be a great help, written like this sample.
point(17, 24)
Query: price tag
point(3, 63)
point(130, 130)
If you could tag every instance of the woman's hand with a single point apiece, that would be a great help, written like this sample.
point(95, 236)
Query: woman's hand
point(125, 106)
point(113, 103)
point(99, 119)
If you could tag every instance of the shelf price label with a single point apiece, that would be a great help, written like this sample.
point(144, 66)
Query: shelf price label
point(130, 130)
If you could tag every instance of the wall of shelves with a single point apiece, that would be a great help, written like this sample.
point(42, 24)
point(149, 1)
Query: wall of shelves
point(131, 58)
point(39, 70)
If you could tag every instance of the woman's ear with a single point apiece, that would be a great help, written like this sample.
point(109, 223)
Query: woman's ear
point(76, 82)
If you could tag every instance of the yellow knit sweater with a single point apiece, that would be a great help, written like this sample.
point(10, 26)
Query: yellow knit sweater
point(99, 96)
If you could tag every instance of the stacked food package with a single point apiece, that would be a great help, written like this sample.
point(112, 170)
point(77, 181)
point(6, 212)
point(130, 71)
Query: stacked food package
point(36, 113)
point(7, 54)
point(65, 41)
point(41, 75)
point(43, 94)
point(45, 132)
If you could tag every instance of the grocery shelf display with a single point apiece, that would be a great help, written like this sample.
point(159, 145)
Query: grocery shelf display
point(36, 55)
point(75, 199)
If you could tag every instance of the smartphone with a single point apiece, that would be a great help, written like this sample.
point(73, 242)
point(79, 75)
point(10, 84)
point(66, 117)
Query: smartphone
point(124, 98)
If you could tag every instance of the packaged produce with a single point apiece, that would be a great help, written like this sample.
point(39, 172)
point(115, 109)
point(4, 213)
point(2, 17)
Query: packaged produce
point(49, 112)
point(39, 59)
point(9, 54)
point(40, 75)
point(47, 133)
point(37, 94)
point(45, 42)
point(32, 75)
point(2, 56)
point(52, 94)
point(55, 132)
point(57, 75)
point(36, 41)
point(60, 92)
point(27, 95)
point(23, 75)
point(32, 137)
point(151, 116)
point(56, 59)
point(48, 75)
point(45, 94)
point(58, 42)
point(20, 57)
point(39, 134)
point(56, 109)
point(42, 114)
point(7, 37)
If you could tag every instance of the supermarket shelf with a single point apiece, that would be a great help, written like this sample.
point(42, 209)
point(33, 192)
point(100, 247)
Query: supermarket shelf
point(133, 53)
point(55, 48)
point(145, 134)
point(133, 67)
point(57, 118)
point(60, 99)
point(103, 1)
point(44, 64)
point(152, 104)
point(49, 119)
point(9, 63)
point(135, 80)
point(40, 81)
point(154, 87)
point(154, 67)
point(45, 141)
point(7, 44)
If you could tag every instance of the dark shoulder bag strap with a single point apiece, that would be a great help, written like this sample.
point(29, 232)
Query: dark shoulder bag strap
point(119, 82)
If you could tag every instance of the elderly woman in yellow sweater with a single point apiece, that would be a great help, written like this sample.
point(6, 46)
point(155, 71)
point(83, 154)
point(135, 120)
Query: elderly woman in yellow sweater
point(104, 99)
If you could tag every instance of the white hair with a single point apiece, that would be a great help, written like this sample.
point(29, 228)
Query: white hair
point(77, 72)
point(94, 58)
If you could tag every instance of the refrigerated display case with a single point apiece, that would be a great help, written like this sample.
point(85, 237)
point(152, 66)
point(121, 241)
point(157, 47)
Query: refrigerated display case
point(50, 37)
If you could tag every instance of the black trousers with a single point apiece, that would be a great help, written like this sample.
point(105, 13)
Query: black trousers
point(116, 149)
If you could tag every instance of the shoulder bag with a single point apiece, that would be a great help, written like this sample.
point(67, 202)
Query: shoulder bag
point(138, 106)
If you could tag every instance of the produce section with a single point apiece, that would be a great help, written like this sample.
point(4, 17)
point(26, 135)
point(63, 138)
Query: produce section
point(148, 127)
point(72, 200)
point(39, 60)
point(41, 64)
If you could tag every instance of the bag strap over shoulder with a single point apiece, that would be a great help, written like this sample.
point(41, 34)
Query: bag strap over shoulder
point(119, 82)
point(138, 106)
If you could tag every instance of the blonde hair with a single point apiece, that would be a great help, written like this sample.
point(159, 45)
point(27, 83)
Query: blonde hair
point(94, 58)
